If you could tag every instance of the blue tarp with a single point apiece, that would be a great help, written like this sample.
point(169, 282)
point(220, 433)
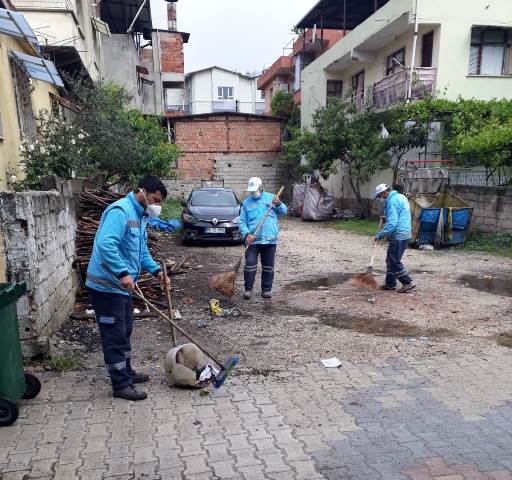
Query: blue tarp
point(164, 225)
point(429, 219)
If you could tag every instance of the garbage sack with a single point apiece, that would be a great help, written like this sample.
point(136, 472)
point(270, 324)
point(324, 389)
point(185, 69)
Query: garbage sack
point(299, 192)
point(182, 365)
point(318, 204)
point(164, 225)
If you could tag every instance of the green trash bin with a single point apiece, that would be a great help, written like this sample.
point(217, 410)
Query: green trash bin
point(14, 382)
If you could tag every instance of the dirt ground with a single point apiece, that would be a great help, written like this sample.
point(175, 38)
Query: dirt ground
point(462, 304)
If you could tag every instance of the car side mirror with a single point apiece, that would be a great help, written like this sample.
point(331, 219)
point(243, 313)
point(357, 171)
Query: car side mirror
point(183, 203)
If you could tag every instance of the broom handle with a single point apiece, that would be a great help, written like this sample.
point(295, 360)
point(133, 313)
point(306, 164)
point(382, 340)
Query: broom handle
point(167, 288)
point(258, 228)
point(375, 245)
point(138, 294)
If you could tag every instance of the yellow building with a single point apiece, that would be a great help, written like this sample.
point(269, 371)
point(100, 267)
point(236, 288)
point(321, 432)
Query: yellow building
point(27, 83)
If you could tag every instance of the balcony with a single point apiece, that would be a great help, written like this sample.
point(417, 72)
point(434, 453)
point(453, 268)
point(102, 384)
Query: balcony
point(282, 66)
point(47, 5)
point(393, 88)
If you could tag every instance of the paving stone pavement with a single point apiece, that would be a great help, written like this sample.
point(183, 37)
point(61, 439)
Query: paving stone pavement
point(443, 418)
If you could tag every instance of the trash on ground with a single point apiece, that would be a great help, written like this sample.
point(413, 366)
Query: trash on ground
point(89, 312)
point(188, 301)
point(426, 246)
point(423, 338)
point(136, 310)
point(215, 307)
point(331, 362)
point(200, 324)
point(207, 373)
point(371, 300)
point(177, 315)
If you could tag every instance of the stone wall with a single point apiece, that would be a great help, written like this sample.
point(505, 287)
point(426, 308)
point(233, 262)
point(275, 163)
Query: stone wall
point(492, 207)
point(38, 230)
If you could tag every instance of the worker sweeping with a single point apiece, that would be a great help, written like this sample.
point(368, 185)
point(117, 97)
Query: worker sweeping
point(398, 231)
point(120, 252)
point(264, 243)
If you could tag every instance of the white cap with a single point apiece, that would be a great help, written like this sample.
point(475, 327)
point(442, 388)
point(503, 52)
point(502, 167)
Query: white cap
point(254, 184)
point(379, 189)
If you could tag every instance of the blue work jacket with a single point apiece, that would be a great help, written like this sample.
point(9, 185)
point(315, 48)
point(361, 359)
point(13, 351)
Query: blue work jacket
point(120, 247)
point(398, 218)
point(251, 214)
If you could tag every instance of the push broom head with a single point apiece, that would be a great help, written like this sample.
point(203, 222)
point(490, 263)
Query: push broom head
point(225, 282)
point(365, 280)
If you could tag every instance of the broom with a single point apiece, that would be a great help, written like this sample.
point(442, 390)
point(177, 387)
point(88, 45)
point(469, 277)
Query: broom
point(225, 282)
point(366, 279)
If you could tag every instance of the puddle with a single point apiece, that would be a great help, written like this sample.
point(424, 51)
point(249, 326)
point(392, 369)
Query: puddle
point(488, 283)
point(504, 339)
point(381, 327)
point(320, 282)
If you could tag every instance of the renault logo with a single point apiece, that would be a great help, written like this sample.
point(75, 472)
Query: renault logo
point(215, 221)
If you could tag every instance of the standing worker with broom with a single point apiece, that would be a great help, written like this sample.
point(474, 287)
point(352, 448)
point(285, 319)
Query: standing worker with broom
point(398, 231)
point(120, 252)
point(264, 243)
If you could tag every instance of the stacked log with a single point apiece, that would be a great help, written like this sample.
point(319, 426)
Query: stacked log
point(92, 204)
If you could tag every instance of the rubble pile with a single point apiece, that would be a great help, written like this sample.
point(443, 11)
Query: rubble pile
point(92, 204)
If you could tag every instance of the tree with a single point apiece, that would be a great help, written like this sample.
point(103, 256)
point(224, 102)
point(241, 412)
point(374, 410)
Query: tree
point(105, 136)
point(405, 134)
point(283, 105)
point(341, 134)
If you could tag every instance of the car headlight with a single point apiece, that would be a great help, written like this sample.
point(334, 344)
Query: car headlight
point(236, 221)
point(189, 218)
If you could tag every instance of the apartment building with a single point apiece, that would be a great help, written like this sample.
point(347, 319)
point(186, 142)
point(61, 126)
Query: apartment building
point(69, 32)
point(463, 48)
point(286, 72)
point(28, 83)
point(217, 89)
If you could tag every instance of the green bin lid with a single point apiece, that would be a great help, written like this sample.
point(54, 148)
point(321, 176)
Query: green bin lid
point(10, 292)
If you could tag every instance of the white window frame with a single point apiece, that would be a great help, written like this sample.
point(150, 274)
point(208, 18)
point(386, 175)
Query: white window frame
point(225, 93)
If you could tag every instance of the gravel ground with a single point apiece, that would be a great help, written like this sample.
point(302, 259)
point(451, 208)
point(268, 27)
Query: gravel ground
point(317, 312)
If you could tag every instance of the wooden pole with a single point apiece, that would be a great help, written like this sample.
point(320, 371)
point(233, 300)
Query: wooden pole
point(167, 288)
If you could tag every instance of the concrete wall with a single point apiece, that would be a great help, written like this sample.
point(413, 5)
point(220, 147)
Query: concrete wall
point(39, 230)
point(10, 138)
point(120, 61)
point(492, 207)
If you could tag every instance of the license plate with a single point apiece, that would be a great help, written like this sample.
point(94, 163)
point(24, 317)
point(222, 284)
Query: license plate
point(215, 230)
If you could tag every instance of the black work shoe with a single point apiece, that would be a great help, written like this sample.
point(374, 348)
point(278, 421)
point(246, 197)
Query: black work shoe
point(139, 377)
point(266, 294)
point(130, 393)
point(406, 288)
point(387, 287)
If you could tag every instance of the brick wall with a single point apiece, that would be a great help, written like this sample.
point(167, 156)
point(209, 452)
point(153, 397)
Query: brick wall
point(171, 48)
point(204, 139)
point(38, 230)
point(492, 207)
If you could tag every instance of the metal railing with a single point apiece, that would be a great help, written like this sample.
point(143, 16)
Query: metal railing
point(480, 178)
point(66, 5)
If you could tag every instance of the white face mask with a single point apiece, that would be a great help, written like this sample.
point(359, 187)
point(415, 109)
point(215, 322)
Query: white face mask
point(152, 209)
point(256, 194)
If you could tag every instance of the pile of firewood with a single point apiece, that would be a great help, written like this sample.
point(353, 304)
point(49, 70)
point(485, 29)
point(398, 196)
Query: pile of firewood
point(92, 205)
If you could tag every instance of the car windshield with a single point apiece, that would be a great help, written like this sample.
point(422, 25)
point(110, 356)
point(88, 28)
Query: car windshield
point(213, 198)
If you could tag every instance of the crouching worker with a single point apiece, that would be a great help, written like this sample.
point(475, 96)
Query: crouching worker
point(264, 242)
point(397, 229)
point(120, 252)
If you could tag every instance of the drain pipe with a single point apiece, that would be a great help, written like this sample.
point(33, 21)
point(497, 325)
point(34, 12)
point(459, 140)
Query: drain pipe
point(414, 45)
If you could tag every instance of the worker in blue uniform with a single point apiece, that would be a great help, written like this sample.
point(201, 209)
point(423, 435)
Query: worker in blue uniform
point(397, 230)
point(264, 242)
point(119, 254)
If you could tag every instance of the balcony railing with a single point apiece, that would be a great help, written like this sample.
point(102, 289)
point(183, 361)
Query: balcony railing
point(393, 88)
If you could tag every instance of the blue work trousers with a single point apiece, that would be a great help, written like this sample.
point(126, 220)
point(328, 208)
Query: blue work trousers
point(268, 255)
point(114, 316)
point(395, 267)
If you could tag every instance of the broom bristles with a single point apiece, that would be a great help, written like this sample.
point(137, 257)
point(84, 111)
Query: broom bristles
point(224, 283)
point(365, 280)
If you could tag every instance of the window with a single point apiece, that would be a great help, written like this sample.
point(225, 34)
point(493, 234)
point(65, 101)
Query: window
point(23, 95)
point(358, 83)
point(427, 48)
point(225, 93)
point(334, 89)
point(490, 52)
point(395, 62)
point(213, 198)
point(283, 87)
